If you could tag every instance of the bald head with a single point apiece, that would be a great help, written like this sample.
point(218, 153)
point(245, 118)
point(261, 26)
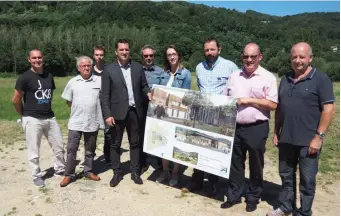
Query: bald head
point(302, 47)
point(301, 58)
point(251, 57)
point(252, 47)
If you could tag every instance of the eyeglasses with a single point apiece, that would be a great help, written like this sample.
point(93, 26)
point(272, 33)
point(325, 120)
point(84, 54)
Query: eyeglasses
point(84, 66)
point(146, 56)
point(253, 57)
point(171, 55)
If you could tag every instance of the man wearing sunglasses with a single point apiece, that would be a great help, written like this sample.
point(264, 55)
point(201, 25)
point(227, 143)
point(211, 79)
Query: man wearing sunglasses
point(153, 76)
point(212, 75)
point(303, 115)
point(255, 89)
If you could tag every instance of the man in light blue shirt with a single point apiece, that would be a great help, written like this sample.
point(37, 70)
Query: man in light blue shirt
point(212, 75)
point(214, 71)
point(152, 71)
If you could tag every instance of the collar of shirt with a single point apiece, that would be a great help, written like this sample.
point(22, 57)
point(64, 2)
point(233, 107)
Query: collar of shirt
point(80, 78)
point(256, 72)
point(152, 68)
point(213, 65)
point(178, 71)
point(124, 66)
point(290, 76)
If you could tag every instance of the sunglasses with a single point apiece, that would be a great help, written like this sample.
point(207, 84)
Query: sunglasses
point(253, 57)
point(146, 56)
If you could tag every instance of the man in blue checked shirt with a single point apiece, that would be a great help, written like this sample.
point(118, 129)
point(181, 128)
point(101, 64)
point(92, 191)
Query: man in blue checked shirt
point(212, 75)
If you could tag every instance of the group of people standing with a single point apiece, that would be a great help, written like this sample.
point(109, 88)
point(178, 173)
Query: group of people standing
point(115, 98)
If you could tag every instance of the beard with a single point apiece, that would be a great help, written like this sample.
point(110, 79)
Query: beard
point(211, 58)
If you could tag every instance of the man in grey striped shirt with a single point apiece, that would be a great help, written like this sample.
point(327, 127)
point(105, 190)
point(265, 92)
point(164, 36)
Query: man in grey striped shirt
point(212, 75)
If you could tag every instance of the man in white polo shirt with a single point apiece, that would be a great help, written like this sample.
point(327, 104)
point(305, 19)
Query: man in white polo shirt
point(82, 94)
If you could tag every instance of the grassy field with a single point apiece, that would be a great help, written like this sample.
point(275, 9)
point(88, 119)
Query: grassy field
point(10, 132)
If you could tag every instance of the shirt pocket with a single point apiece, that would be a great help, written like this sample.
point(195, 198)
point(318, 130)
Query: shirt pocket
point(96, 93)
point(178, 81)
point(256, 92)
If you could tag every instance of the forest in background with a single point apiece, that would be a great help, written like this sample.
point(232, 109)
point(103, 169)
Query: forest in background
point(64, 30)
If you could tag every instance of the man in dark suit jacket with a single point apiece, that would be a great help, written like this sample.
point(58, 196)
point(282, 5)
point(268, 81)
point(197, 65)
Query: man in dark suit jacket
point(123, 88)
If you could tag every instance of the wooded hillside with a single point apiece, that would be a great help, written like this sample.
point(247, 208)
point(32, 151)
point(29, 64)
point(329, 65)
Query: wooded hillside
point(64, 30)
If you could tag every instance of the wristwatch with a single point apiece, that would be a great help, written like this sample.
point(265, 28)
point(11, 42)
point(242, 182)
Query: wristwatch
point(320, 134)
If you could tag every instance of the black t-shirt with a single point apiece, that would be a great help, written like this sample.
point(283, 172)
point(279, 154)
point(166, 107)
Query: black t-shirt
point(94, 72)
point(38, 91)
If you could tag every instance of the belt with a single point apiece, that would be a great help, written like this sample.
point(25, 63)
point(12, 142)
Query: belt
point(252, 124)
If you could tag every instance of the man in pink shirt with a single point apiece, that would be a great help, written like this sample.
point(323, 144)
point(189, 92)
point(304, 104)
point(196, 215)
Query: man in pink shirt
point(256, 91)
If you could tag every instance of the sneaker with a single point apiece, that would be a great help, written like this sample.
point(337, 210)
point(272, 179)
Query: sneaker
point(39, 182)
point(174, 180)
point(59, 174)
point(276, 212)
point(163, 177)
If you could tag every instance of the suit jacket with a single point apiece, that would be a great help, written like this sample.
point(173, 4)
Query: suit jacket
point(115, 100)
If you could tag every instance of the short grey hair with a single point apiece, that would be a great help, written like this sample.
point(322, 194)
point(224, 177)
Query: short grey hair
point(80, 58)
point(147, 46)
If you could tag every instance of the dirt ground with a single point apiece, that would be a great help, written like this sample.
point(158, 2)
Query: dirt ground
point(84, 197)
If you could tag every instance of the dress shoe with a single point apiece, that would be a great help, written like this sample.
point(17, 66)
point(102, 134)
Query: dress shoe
point(192, 186)
point(115, 180)
point(229, 204)
point(93, 177)
point(136, 178)
point(251, 206)
point(66, 180)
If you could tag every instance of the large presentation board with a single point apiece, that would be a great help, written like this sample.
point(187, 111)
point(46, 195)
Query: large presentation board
point(191, 128)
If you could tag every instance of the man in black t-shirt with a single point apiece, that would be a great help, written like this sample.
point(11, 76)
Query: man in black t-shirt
point(98, 57)
point(35, 87)
point(97, 69)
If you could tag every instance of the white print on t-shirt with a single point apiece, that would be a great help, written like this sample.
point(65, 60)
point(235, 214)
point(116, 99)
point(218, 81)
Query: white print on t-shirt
point(42, 95)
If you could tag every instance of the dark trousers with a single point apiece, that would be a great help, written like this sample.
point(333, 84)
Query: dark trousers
point(289, 157)
point(107, 142)
point(130, 123)
point(74, 138)
point(249, 138)
point(143, 155)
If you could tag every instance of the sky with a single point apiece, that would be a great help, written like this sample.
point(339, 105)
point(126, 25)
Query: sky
point(277, 8)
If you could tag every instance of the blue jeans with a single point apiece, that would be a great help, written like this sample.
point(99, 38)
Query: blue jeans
point(289, 157)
